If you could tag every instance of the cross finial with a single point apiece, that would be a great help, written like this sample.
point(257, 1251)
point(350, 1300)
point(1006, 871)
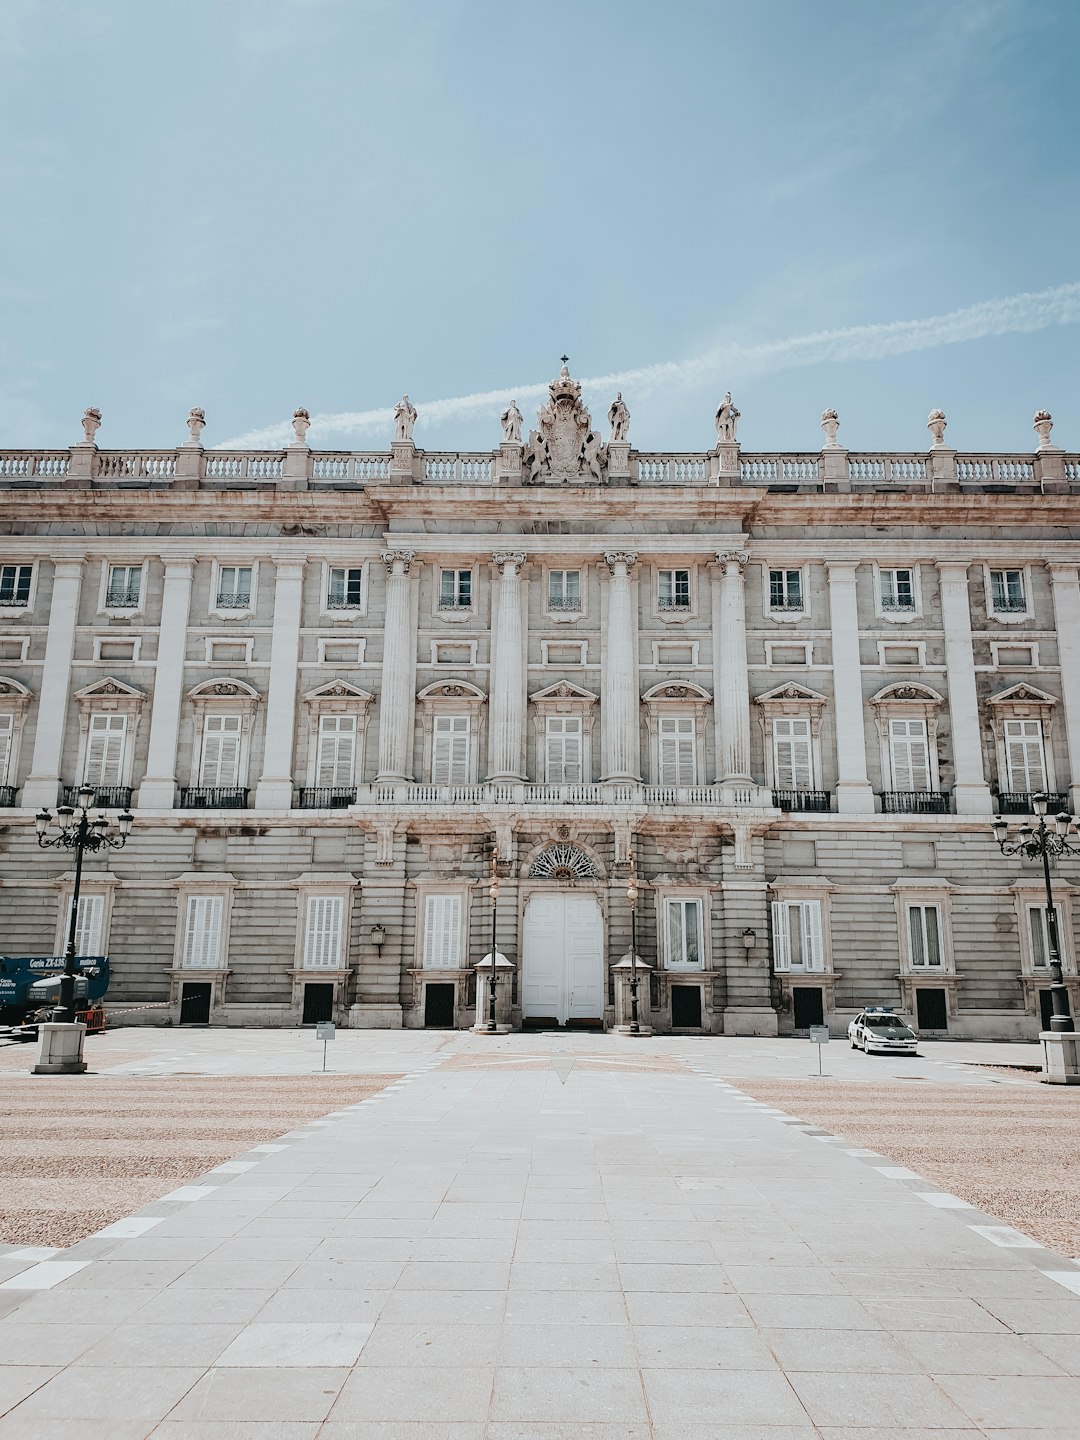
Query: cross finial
point(565, 359)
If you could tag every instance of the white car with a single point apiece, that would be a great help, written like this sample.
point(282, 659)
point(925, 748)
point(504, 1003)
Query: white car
point(880, 1029)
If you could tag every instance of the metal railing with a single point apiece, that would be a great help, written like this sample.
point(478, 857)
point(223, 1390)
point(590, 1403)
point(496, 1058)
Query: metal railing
point(455, 602)
point(899, 602)
point(786, 605)
point(1019, 802)
point(122, 598)
point(341, 602)
point(673, 602)
point(7, 794)
point(234, 600)
point(802, 800)
point(915, 802)
point(106, 797)
point(213, 797)
point(1011, 605)
point(326, 797)
point(564, 602)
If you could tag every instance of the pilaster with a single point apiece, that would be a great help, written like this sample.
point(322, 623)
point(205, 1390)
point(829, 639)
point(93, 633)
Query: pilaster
point(618, 679)
point(158, 789)
point(1065, 584)
point(506, 706)
point(275, 788)
point(397, 700)
point(41, 785)
point(733, 693)
point(971, 792)
point(853, 793)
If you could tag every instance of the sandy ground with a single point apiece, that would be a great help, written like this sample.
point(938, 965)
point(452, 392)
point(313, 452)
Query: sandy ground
point(1012, 1152)
point(77, 1152)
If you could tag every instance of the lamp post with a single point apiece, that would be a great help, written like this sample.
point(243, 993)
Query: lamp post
point(79, 833)
point(493, 893)
point(1039, 842)
point(631, 895)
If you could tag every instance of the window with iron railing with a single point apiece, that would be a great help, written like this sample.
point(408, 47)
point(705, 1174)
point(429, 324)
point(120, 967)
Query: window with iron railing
point(897, 590)
point(125, 583)
point(344, 589)
point(564, 590)
point(1007, 591)
point(455, 590)
point(15, 584)
point(673, 592)
point(234, 587)
point(785, 590)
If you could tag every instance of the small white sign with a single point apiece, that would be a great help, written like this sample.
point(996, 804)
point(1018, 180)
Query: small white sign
point(324, 1030)
point(819, 1034)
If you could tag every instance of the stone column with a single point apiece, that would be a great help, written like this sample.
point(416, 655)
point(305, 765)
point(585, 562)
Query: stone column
point(618, 676)
point(397, 702)
point(972, 794)
point(41, 787)
point(853, 793)
point(158, 789)
point(506, 704)
point(275, 788)
point(1066, 590)
point(733, 700)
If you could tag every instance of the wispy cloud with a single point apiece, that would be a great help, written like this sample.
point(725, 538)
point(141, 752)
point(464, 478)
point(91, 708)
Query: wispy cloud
point(729, 364)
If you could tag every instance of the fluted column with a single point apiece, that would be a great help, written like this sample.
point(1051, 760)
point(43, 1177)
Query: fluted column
point(853, 793)
point(506, 703)
point(158, 789)
point(42, 783)
point(1066, 590)
point(970, 790)
point(275, 788)
point(734, 696)
point(397, 702)
point(619, 686)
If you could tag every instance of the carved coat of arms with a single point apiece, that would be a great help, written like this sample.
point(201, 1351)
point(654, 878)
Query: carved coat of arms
point(563, 446)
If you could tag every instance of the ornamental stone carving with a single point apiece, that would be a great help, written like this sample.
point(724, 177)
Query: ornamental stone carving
point(391, 557)
point(730, 559)
point(936, 424)
point(511, 419)
point(196, 424)
point(1042, 423)
point(614, 558)
point(301, 424)
point(404, 419)
point(619, 418)
point(676, 692)
point(91, 424)
point(563, 446)
point(563, 862)
point(503, 558)
point(830, 423)
point(727, 420)
point(453, 690)
point(223, 688)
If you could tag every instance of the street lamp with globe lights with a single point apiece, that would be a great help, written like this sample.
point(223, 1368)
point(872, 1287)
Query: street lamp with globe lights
point(493, 896)
point(1040, 842)
point(632, 895)
point(79, 833)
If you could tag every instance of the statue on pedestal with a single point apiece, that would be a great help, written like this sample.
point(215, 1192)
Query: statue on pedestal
point(91, 423)
point(301, 424)
point(404, 419)
point(936, 423)
point(511, 423)
point(619, 418)
point(727, 420)
point(196, 423)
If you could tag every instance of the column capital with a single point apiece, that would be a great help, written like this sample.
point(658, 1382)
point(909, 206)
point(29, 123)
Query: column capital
point(843, 569)
point(509, 559)
point(184, 560)
point(1063, 569)
point(390, 558)
point(70, 565)
point(733, 560)
point(953, 571)
point(614, 558)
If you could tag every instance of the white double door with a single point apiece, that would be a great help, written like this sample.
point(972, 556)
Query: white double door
point(563, 971)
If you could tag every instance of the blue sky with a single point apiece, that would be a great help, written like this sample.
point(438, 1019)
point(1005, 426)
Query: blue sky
point(254, 204)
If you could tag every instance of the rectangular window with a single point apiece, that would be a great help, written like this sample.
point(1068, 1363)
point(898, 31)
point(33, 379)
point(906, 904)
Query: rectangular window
point(455, 590)
point(88, 927)
point(202, 932)
point(674, 589)
point(124, 584)
point(910, 755)
point(7, 732)
point(785, 590)
point(15, 584)
point(562, 740)
point(678, 750)
point(564, 590)
point(322, 932)
point(897, 590)
point(924, 934)
point(345, 589)
point(442, 932)
point(797, 938)
point(450, 750)
point(335, 762)
point(234, 587)
point(104, 763)
point(1007, 590)
point(683, 934)
point(1025, 757)
point(220, 761)
point(792, 755)
point(1039, 931)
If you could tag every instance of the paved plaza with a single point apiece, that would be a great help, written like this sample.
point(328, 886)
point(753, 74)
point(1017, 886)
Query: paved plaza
point(539, 1238)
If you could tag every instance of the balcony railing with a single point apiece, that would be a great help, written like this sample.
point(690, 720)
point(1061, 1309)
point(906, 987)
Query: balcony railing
point(786, 605)
point(799, 800)
point(342, 602)
point(564, 602)
point(7, 794)
point(455, 602)
point(899, 602)
point(19, 602)
point(914, 802)
point(326, 797)
point(1019, 802)
point(213, 797)
point(234, 600)
point(1009, 605)
point(674, 602)
point(106, 797)
point(122, 598)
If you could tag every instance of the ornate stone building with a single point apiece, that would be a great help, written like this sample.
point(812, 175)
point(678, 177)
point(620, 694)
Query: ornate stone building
point(787, 692)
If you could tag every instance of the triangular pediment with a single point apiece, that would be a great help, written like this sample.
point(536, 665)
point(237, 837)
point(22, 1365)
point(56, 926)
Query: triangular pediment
point(109, 688)
point(1022, 694)
point(564, 690)
point(340, 690)
point(791, 691)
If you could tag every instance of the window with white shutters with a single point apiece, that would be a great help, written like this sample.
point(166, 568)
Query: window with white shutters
point(797, 938)
point(677, 750)
point(909, 753)
point(442, 932)
point(1025, 756)
point(1039, 931)
point(563, 750)
point(220, 761)
point(104, 764)
point(322, 932)
point(924, 934)
point(792, 754)
point(336, 759)
point(683, 929)
point(202, 932)
point(88, 927)
point(450, 750)
point(7, 732)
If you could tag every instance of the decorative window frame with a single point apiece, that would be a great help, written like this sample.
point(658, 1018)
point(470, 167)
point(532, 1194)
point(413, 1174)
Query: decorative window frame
point(664, 892)
point(915, 701)
point(785, 617)
point(112, 697)
point(1031, 894)
point(771, 663)
point(927, 891)
point(1007, 617)
point(471, 645)
point(441, 885)
point(886, 664)
point(899, 617)
point(455, 616)
point(117, 637)
point(579, 664)
point(316, 884)
point(996, 646)
point(564, 836)
point(813, 887)
point(359, 641)
point(15, 700)
point(123, 611)
point(239, 612)
point(234, 696)
point(15, 611)
point(659, 663)
point(453, 697)
point(352, 612)
point(210, 641)
point(693, 610)
point(103, 885)
point(564, 698)
point(791, 702)
point(676, 696)
point(336, 697)
point(23, 642)
point(196, 884)
point(564, 617)
point(1022, 702)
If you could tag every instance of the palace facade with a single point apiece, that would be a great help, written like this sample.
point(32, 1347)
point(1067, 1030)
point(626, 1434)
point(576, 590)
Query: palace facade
point(785, 692)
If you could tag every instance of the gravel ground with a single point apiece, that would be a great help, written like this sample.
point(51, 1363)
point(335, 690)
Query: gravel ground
point(78, 1152)
point(1011, 1151)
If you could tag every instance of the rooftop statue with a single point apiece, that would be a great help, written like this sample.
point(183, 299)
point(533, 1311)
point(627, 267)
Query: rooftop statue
point(511, 423)
point(619, 418)
point(727, 419)
point(404, 419)
point(562, 445)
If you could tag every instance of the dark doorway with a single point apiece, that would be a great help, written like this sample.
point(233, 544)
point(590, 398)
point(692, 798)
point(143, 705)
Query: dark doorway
point(930, 1010)
point(686, 1007)
point(808, 1003)
point(1046, 1008)
point(318, 1004)
point(439, 1007)
point(195, 1004)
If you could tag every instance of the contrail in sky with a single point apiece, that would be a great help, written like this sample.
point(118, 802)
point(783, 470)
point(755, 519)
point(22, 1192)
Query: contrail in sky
point(726, 365)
